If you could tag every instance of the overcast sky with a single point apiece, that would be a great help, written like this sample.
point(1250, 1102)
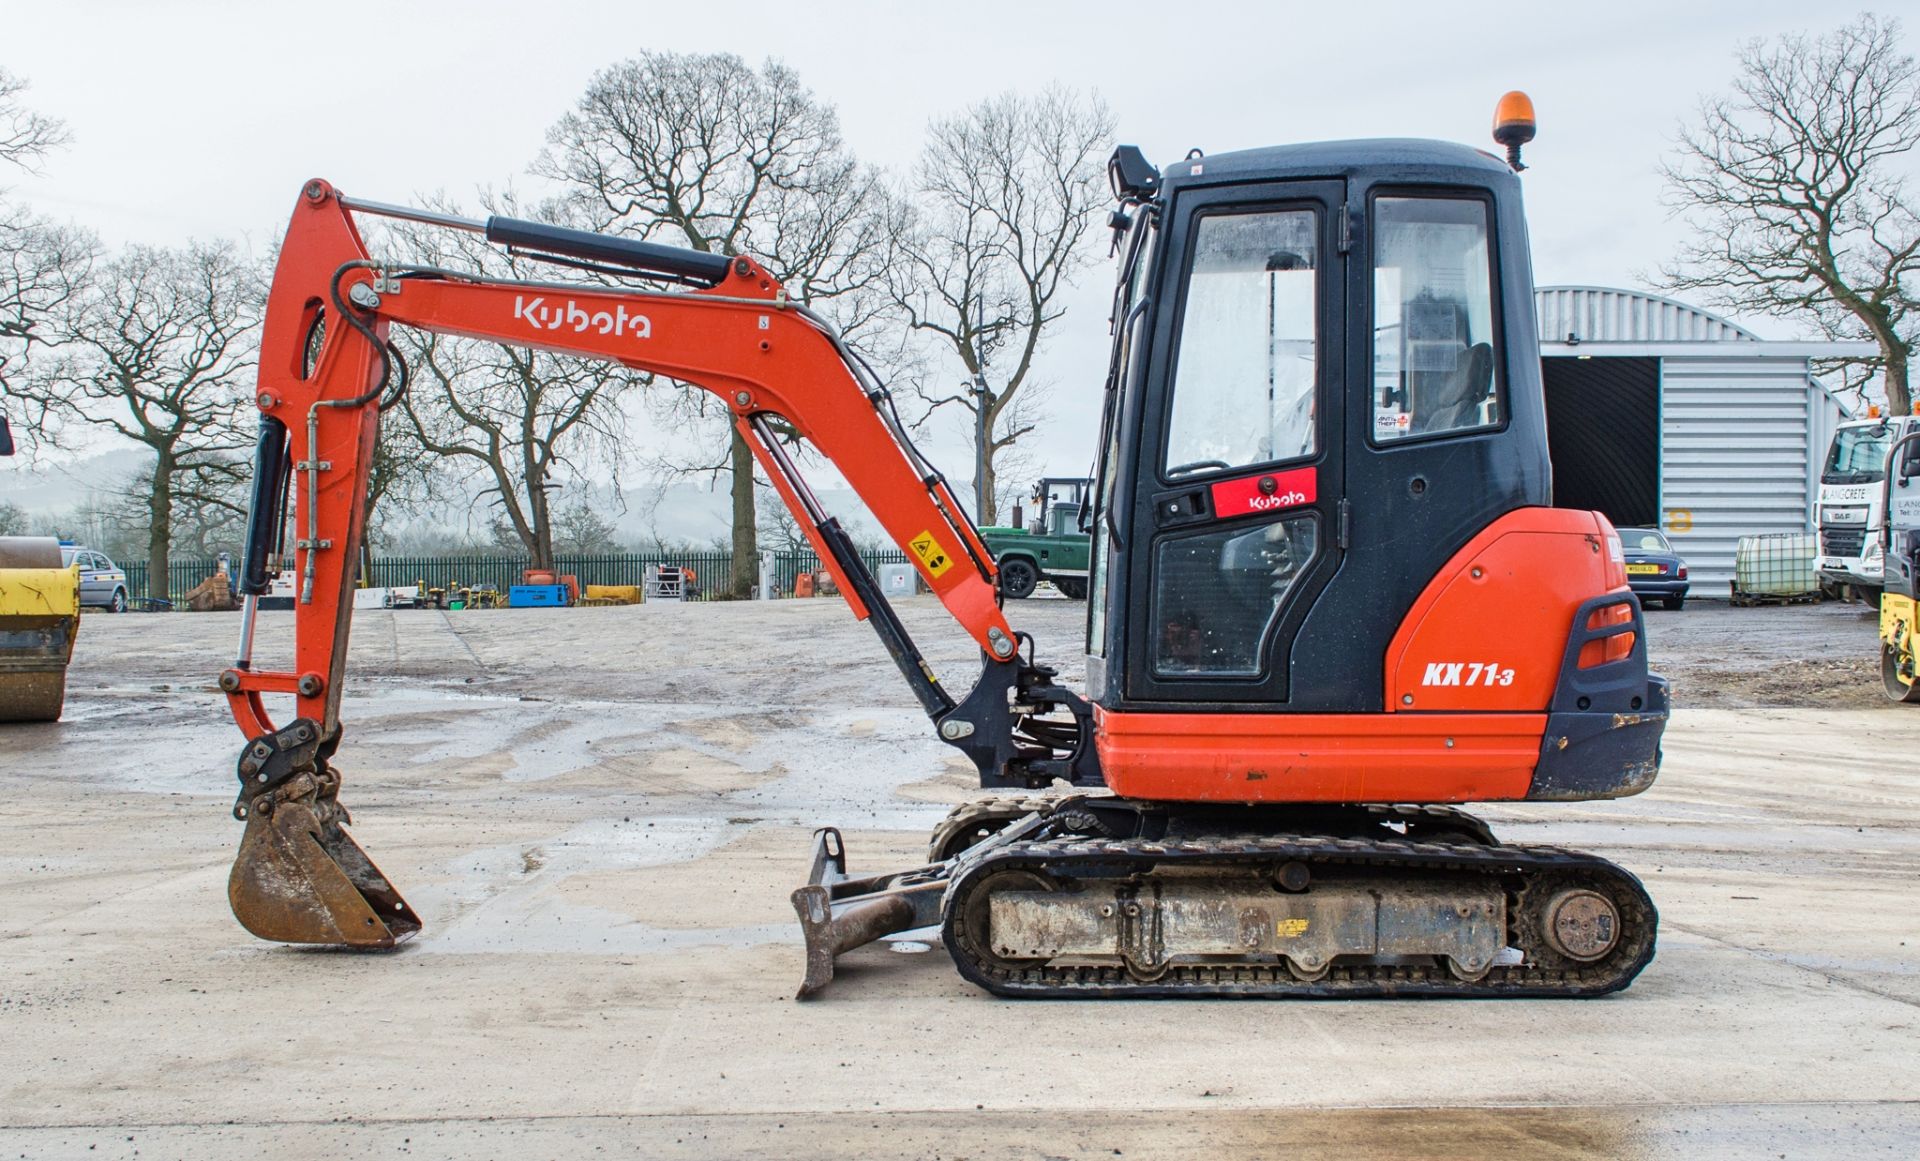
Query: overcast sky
point(203, 119)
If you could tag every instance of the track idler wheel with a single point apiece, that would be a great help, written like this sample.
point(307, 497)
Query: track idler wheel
point(1575, 924)
point(1582, 925)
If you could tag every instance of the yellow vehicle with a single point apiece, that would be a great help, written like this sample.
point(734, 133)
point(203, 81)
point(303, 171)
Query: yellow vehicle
point(1900, 544)
point(39, 616)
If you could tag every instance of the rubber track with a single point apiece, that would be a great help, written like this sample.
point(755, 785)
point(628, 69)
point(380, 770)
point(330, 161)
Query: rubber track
point(1008, 807)
point(1110, 858)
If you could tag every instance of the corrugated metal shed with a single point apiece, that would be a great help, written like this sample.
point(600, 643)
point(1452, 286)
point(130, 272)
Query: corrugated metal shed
point(1597, 314)
point(1744, 425)
point(1737, 455)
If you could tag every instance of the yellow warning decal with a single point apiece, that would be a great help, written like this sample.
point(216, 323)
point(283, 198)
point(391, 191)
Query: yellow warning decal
point(933, 557)
point(1288, 928)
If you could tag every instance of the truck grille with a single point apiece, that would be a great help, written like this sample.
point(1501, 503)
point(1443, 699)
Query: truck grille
point(1842, 541)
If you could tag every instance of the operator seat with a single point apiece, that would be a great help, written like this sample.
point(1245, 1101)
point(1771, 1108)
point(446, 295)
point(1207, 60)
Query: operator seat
point(1454, 403)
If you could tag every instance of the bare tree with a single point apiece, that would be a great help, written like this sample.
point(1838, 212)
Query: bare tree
point(704, 151)
point(520, 420)
point(159, 349)
point(41, 264)
point(779, 529)
point(400, 483)
point(1001, 201)
point(42, 267)
point(209, 510)
point(580, 529)
point(517, 419)
point(25, 136)
point(1793, 182)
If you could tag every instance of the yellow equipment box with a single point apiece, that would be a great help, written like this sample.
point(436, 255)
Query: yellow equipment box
point(614, 594)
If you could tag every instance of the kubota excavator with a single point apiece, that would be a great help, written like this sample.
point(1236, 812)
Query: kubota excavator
point(1329, 598)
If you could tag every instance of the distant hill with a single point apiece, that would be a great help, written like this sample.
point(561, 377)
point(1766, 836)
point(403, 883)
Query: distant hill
point(61, 482)
point(681, 512)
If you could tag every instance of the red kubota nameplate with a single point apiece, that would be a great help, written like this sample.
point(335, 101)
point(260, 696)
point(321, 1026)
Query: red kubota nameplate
point(1267, 492)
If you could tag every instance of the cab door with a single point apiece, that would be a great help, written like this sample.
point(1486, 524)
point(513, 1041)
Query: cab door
point(1238, 481)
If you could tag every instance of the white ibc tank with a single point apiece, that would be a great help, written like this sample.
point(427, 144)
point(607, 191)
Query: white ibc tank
point(896, 580)
point(1776, 565)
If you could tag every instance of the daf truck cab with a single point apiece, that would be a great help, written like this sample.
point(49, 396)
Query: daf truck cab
point(1850, 515)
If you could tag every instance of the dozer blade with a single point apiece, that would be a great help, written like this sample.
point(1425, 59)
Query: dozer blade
point(299, 879)
point(838, 913)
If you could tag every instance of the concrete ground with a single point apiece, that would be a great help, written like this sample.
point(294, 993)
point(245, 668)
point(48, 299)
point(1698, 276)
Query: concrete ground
point(600, 813)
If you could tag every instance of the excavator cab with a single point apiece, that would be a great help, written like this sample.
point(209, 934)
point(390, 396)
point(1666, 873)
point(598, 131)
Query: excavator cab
point(1325, 387)
point(1326, 382)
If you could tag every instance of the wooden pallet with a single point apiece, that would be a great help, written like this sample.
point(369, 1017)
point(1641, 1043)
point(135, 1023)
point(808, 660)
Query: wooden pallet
point(1749, 600)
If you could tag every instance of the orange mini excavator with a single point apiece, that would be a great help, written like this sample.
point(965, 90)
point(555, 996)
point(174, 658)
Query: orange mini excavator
point(1329, 599)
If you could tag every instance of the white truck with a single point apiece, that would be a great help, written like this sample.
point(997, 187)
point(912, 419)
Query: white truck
point(1848, 513)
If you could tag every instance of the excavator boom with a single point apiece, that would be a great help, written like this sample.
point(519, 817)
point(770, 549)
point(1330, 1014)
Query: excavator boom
point(326, 368)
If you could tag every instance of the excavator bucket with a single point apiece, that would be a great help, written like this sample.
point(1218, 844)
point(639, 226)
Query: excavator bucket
point(300, 878)
point(39, 618)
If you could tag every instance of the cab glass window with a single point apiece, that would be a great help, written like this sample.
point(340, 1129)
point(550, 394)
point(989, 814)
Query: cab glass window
point(1216, 595)
point(1246, 362)
point(1434, 361)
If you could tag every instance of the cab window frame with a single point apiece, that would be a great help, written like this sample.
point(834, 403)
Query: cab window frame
point(1131, 353)
point(1365, 276)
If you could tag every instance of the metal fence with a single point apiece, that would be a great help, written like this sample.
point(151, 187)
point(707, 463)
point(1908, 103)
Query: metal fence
point(181, 576)
point(711, 570)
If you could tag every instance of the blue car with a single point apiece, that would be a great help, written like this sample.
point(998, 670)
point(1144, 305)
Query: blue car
point(1655, 571)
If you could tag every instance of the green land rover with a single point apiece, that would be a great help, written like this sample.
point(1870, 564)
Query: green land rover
point(1050, 547)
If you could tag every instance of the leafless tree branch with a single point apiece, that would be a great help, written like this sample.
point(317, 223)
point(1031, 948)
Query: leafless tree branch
point(157, 347)
point(992, 227)
point(704, 151)
point(1796, 184)
point(519, 421)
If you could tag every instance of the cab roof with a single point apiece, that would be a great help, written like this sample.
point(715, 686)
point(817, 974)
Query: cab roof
point(1390, 158)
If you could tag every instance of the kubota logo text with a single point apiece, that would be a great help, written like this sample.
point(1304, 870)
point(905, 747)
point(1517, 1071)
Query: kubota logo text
point(1283, 500)
point(575, 318)
point(1466, 673)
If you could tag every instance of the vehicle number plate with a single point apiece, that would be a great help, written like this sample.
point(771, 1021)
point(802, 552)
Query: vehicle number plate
point(1643, 569)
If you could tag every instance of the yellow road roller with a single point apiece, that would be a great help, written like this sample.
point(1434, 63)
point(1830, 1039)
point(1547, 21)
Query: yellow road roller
point(39, 618)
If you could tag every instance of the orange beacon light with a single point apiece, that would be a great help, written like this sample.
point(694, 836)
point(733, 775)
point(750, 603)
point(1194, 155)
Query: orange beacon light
point(1513, 125)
